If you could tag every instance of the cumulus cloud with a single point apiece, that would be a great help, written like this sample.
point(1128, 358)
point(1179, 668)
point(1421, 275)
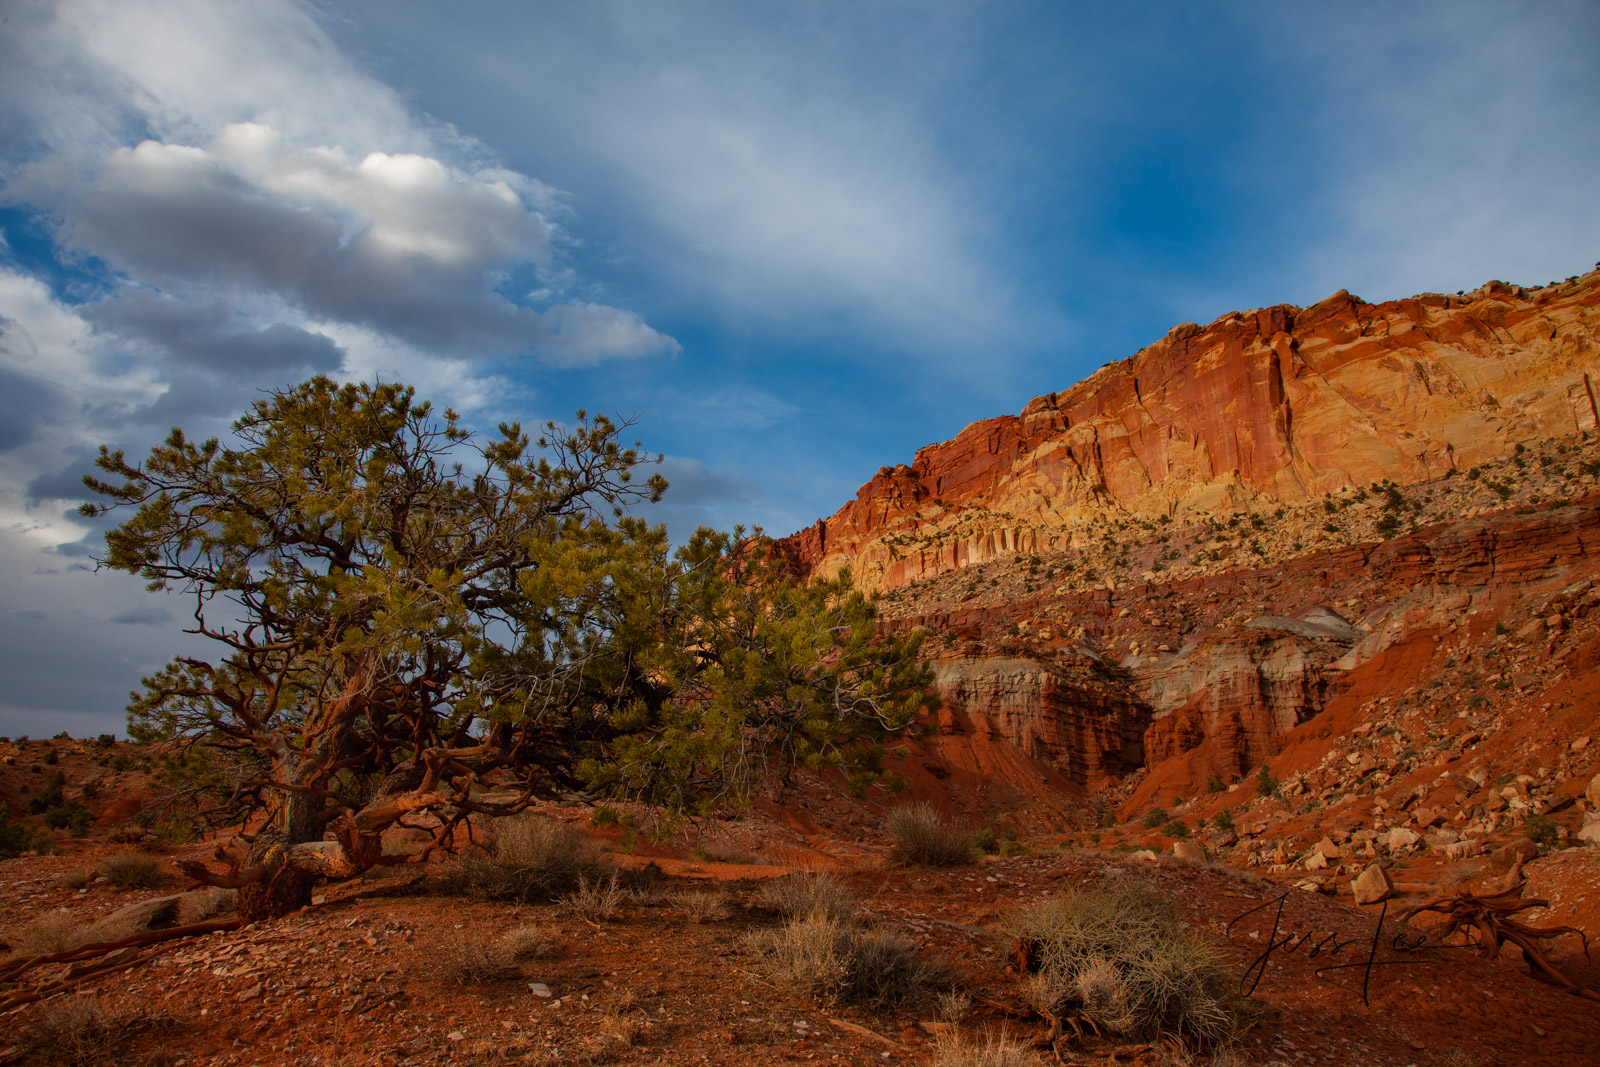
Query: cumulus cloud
point(401, 244)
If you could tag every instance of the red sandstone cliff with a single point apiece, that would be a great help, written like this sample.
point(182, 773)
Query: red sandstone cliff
point(1272, 406)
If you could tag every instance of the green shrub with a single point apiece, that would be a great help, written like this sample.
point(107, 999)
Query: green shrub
point(604, 815)
point(1176, 828)
point(1542, 830)
point(1120, 956)
point(985, 841)
point(1214, 785)
point(1155, 817)
point(1223, 820)
point(1266, 785)
point(922, 837)
point(17, 838)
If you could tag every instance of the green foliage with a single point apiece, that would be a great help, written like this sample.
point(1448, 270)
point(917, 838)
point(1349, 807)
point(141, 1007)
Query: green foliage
point(1223, 820)
point(1154, 818)
point(1266, 785)
point(51, 758)
point(1176, 828)
point(17, 838)
point(1542, 830)
point(604, 815)
point(985, 841)
point(1214, 785)
point(410, 618)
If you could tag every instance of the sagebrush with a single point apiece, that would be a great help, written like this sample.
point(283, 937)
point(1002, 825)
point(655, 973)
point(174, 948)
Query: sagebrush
point(1120, 957)
point(921, 836)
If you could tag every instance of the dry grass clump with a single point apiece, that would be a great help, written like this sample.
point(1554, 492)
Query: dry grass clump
point(797, 895)
point(594, 900)
point(996, 1050)
point(132, 870)
point(471, 960)
point(205, 902)
point(701, 906)
point(842, 962)
point(529, 858)
point(921, 836)
point(79, 1032)
point(52, 931)
point(1118, 957)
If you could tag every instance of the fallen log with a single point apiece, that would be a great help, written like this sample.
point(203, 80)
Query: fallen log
point(21, 965)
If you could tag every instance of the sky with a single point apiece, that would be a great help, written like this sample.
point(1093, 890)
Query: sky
point(794, 241)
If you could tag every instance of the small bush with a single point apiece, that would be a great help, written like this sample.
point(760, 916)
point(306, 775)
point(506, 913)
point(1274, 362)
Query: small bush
point(471, 960)
point(701, 906)
point(985, 841)
point(1176, 828)
point(78, 1032)
point(1154, 818)
point(53, 931)
point(531, 858)
point(839, 962)
point(131, 870)
point(922, 837)
point(799, 895)
point(1542, 830)
point(1266, 785)
point(1120, 956)
point(1223, 820)
point(603, 816)
point(594, 900)
point(996, 1050)
point(1214, 785)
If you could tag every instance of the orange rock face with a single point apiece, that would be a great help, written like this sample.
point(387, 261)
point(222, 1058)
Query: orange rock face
point(1279, 405)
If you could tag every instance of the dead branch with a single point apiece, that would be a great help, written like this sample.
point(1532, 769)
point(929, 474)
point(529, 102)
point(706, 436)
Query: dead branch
point(1489, 918)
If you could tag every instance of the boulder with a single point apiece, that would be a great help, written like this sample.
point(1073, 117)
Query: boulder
point(1189, 852)
point(1592, 794)
point(1589, 832)
point(1371, 885)
point(1503, 858)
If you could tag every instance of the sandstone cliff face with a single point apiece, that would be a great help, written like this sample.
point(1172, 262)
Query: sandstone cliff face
point(1090, 732)
point(1273, 406)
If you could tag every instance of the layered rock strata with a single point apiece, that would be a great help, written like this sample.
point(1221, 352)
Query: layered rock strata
point(1279, 405)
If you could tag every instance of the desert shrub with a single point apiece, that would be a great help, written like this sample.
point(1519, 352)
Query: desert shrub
point(604, 815)
point(1542, 830)
point(596, 899)
point(1214, 784)
point(131, 870)
point(985, 841)
point(700, 905)
point(922, 837)
point(78, 1032)
point(1176, 828)
point(1266, 785)
point(995, 1050)
point(1154, 818)
point(838, 961)
point(1223, 820)
point(799, 895)
point(530, 858)
point(17, 838)
point(74, 879)
point(206, 902)
point(1119, 955)
point(52, 931)
point(474, 959)
point(70, 816)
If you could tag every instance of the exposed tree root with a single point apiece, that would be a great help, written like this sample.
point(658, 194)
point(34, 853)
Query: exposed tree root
point(1488, 919)
point(120, 955)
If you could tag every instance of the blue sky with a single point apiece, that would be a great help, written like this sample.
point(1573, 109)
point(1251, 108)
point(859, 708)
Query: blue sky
point(797, 240)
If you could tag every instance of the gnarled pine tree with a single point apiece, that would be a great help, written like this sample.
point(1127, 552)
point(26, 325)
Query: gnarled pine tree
point(417, 628)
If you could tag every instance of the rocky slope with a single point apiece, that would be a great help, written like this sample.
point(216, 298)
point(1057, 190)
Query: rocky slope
point(1253, 411)
point(1280, 541)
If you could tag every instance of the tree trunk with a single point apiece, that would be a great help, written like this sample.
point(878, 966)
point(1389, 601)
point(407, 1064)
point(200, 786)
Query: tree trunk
point(285, 888)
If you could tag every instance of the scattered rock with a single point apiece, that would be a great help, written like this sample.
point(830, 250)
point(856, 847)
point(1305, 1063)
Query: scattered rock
point(1372, 885)
point(1189, 852)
